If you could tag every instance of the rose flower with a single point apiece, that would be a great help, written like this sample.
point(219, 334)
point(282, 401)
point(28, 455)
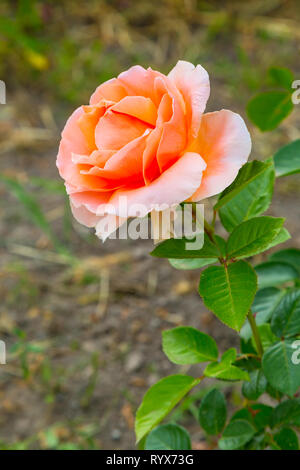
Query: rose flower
point(145, 136)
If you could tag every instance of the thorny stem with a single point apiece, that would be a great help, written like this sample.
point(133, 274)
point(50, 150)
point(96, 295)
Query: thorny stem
point(255, 332)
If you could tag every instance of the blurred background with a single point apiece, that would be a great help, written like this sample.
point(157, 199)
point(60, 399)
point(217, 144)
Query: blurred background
point(82, 320)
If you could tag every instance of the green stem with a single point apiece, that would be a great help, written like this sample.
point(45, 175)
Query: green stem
point(209, 230)
point(214, 219)
point(255, 332)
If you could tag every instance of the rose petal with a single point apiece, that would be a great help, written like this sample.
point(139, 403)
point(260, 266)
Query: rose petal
point(112, 90)
point(175, 185)
point(107, 225)
point(84, 216)
point(97, 158)
point(139, 107)
point(174, 137)
point(193, 83)
point(91, 200)
point(140, 82)
point(225, 144)
point(87, 123)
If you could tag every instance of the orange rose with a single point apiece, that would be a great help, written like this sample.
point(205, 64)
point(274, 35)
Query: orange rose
point(144, 137)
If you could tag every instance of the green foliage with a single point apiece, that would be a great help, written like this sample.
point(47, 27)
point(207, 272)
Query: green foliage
point(287, 159)
point(176, 248)
point(229, 291)
point(253, 236)
point(286, 439)
point(258, 415)
point(256, 386)
point(279, 369)
point(248, 196)
point(213, 412)
point(266, 336)
point(262, 415)
point(168, 437)
point(289, 255)
point(287, 413)
point(273, 273)
point(268, 109)
point(286, 318)
point(224, 370)
point(186, 345)
point(236, 434)
point(269, 338)
point(281, 76)
point(191, 263)
point(263, 306)
point(159, 400)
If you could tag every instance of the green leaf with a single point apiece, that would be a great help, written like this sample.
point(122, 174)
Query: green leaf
point(262, 415)
point(249, 195)
point(281, 76)
point(273, 273)
point(236, 434)
point(257, 414)
point(256, 386)
point(267, 110)
point(186, 345)
point(253, 236)
point(287, 412)
point(266, 336)
point(264, 304)
point(286, 439)
point(274, 393)
point(221, 242)
point(213, 412)
point(191, 263)
point(176, 248)
point(258, 442)
point(228, 291)
point(279, 369)
point(289, 255)
point(224, 370)
point(159, 401)
point(168, 437)
point(243, 414)
point(286, 317)
point(287, 159)
point(282, 236)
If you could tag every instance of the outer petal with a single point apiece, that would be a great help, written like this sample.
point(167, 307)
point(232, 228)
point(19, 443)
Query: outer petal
point(140, 82)
point(72, 141)
point(111, 90)
point(108, 224)
point(193, 83)
point(225, 144)
point(84, 216)
point(175, 185)
point(91, 200)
